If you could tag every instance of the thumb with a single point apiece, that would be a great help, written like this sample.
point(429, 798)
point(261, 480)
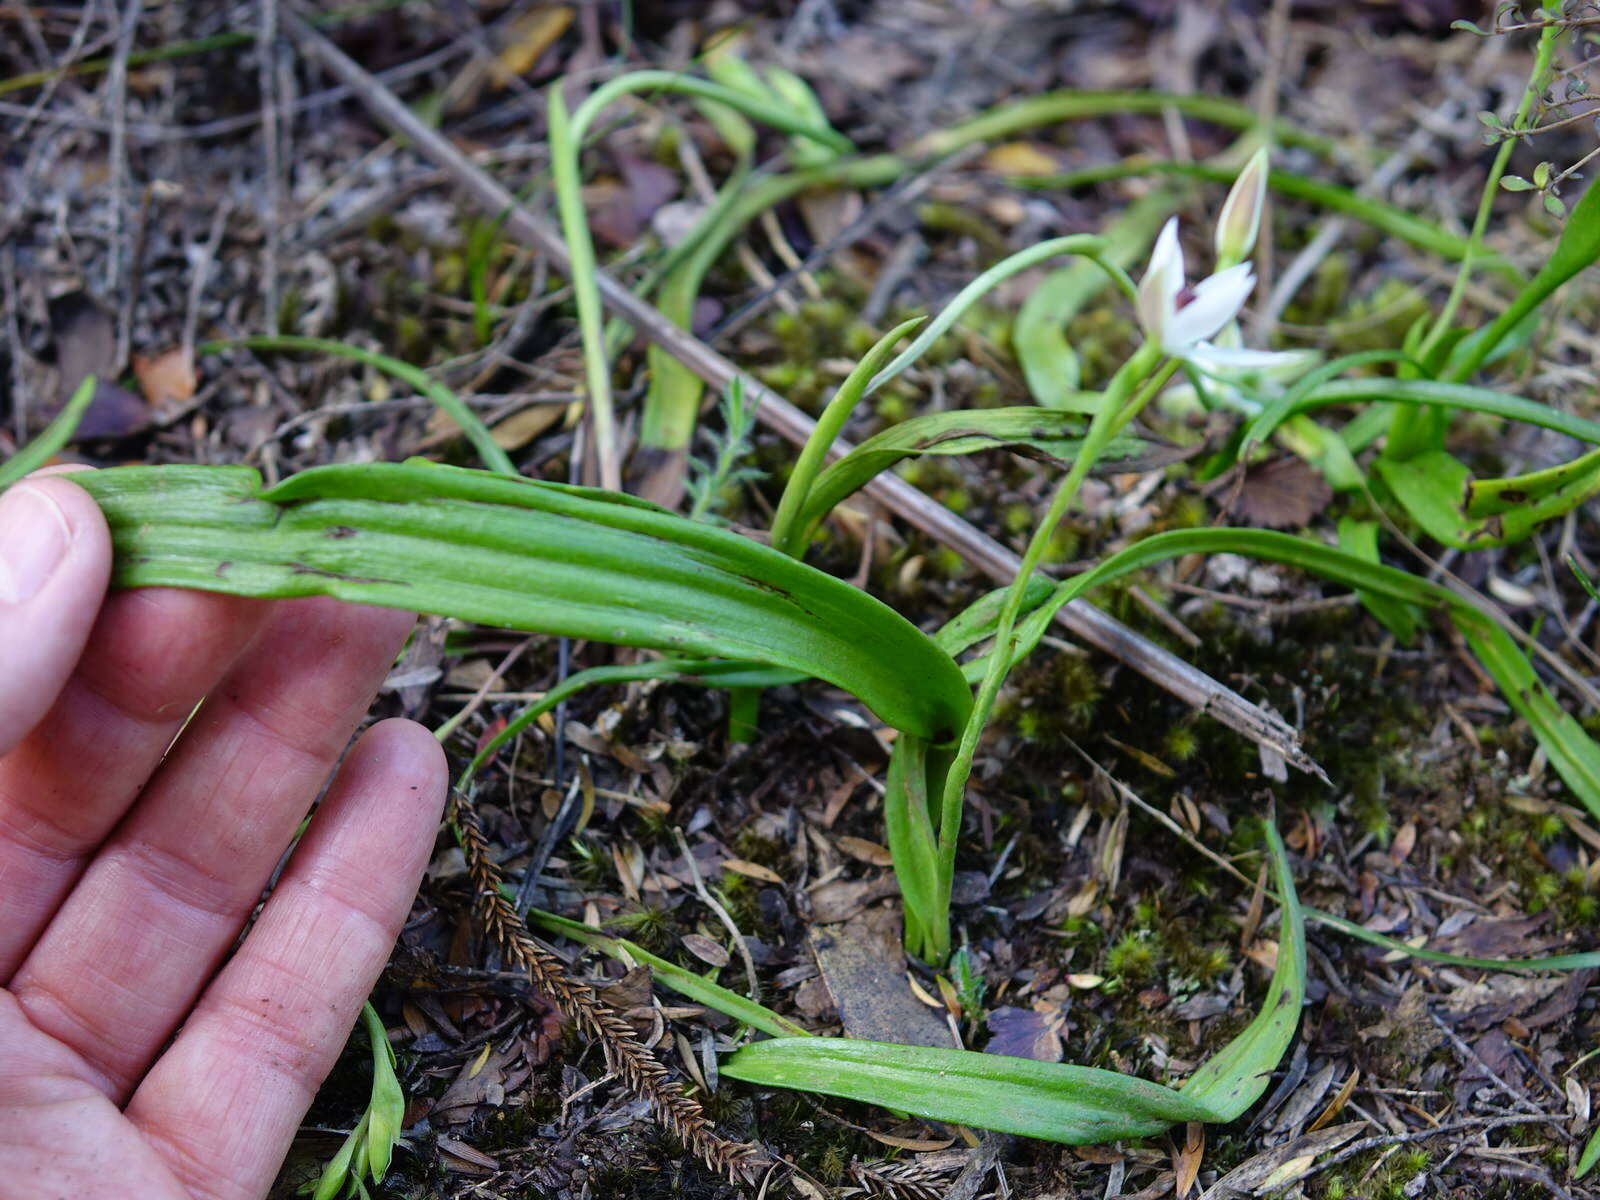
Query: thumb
point(55, 560)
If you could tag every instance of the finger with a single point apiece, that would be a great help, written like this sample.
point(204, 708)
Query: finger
point(159, 906)
point(223, 1104)
point(152, 655)
point(55, 561)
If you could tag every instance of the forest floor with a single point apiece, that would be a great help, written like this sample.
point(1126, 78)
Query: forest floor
point(208, 180)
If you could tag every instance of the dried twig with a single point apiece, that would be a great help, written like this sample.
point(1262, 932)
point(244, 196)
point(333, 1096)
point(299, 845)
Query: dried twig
point(1085, 621)
point(626, 1056)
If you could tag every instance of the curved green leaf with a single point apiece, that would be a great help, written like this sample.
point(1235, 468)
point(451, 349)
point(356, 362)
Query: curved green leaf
point(444, 399)
point(1053, 1101)
point(1432, 393)
point(1438, 490)
point(1049, 364)
point(1570, 750)
point(790, 533)
point(56, 435)
point(1084, 245)
point(1234, 1078)
point(1038, 432)
point(526, 555)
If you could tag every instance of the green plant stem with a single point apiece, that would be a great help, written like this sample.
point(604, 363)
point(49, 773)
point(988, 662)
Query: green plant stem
point(787, 528)
point(1114, 412)
point(566, 132)
point(448, 402)
point(1491, 187)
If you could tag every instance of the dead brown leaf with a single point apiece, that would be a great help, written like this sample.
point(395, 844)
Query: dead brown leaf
point(1283, 494)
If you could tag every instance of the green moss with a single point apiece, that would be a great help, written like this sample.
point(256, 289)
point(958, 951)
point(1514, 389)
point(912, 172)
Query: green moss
point(1133, 958)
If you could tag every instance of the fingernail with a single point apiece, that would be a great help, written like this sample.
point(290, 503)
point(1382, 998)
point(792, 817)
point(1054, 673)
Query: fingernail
point(34, 536)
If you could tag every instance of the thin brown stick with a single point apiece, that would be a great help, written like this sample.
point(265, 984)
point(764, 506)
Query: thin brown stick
point(626, 1056)
point(1086, 622)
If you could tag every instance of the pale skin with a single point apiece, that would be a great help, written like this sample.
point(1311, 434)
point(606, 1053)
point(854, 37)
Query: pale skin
point(141, 1053)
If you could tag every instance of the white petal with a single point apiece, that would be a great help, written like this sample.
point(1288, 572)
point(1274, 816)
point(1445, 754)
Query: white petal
point(1217, 301)
point(1163, 280)
point(1229, 360)
point(1240, 221)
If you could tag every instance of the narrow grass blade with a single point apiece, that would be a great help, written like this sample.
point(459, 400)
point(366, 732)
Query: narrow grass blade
point(1582, 961)
point(56, 435)
point(686, 983)
point(1086, 245)
point(715, 673)
point(1078, 104)
point(525, 555)
point(790, 528)
point(447, 401)
point(1578, 248)
point(1038, 432)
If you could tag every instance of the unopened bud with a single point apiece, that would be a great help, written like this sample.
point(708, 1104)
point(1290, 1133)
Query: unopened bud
point(1241, 215)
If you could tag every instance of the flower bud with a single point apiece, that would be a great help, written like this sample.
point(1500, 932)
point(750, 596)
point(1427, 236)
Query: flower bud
point(1241, 215)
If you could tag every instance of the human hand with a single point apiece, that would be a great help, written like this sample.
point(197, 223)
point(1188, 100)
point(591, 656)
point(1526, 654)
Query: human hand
point(128, 869)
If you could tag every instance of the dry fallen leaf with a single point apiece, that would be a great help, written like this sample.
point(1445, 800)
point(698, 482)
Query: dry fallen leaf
point(527, 39)
point(1186, 1162)
point(706, 950)
point(520, 428)
point(1020, 159)
point(167, 379)
point(751, 870)
point(864, 851)
point(1283, 494)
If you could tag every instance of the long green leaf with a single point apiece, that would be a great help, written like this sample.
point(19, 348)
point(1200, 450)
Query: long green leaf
point(1590, 1156)
point(1234, 1078)
point(1056, 1102)
point(1038, 432)
point(790, 531)
point(914, 848)
point(1570, 750)
point(1429, 392)
point(56, 435)
point(526, 555)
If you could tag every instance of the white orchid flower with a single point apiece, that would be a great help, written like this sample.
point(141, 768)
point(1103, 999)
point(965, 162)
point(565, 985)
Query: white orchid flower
point(1179, 318)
